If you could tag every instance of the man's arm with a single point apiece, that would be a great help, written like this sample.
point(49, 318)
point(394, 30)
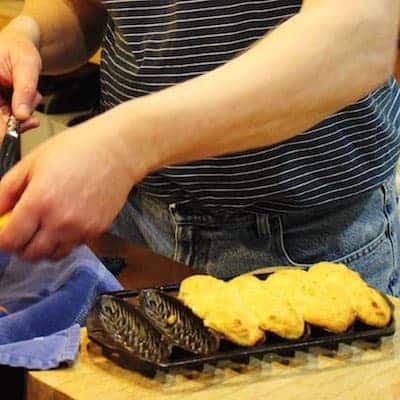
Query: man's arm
point(66, 32)
point(329, 55)
point(71, 187)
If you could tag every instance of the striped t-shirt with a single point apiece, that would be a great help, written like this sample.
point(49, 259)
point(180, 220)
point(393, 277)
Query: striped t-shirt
point(152, 44)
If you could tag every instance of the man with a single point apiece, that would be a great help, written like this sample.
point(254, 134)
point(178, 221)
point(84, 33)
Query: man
point(269, 133)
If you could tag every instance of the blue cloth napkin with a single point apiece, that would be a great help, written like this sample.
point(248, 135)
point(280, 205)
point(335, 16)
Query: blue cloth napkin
point(45, 304)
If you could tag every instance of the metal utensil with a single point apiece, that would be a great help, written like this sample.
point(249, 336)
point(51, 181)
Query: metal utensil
point(9, 155)
point(10, 147)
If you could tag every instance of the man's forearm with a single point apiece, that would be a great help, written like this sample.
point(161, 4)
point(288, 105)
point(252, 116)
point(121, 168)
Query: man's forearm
point(329, 55)
point(66, 32)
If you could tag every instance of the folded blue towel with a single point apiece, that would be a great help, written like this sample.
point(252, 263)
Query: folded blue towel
point(45, 305)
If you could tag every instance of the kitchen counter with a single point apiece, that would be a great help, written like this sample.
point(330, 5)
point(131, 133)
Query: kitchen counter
point(361, 371)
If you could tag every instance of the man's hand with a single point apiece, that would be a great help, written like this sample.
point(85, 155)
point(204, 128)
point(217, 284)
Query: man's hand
point(20, 66)
point(66, 191)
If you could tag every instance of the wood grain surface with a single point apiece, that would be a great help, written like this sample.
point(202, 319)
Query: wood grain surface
point(361, 371)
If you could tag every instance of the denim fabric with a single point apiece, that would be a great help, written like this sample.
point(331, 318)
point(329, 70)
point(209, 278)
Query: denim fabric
point(362, 232)
point(47, 302)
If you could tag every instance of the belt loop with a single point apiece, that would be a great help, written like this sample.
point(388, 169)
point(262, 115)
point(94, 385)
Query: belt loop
point(263, 226)
point(172, 208)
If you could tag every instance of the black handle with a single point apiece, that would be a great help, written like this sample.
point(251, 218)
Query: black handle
point(9, 153)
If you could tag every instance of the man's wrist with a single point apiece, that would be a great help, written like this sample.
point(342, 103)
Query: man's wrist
point(139, 137)
point(26, 25)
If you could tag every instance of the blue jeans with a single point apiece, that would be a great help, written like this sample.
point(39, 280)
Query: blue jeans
point(362, 232)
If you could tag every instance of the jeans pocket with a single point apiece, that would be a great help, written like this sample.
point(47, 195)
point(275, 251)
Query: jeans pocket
point(332, 236)
point(360, 233)
point(375, 263)
point(378, 261)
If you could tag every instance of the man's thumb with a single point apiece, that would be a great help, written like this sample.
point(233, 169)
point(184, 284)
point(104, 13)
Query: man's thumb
point(25, 80)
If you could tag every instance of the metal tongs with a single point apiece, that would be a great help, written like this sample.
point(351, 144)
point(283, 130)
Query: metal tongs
point(10, 147)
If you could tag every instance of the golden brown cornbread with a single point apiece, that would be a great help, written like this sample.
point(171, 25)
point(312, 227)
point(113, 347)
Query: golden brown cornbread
point(328, 295)
point(371, 307)
point(231, 317)
point(330, 271)
point(274, 314)
point(317, 303)
point(221, 309)
point(368, 304)
point(198, 293)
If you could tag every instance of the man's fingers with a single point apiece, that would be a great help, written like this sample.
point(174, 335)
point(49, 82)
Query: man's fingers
point(12, 185)
point(25, 79)
point(19, 230)
point(25, 217)
point(37, 100)
point(5, 111)
point(3, 123)
point(30, 236)
point(42, 245)
point(30, 123)
point(61, 251)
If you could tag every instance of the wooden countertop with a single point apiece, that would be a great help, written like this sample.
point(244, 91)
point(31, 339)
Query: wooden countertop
point(361, 371)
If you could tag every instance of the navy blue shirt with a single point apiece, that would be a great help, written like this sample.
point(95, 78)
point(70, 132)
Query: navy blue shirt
point(150, 45)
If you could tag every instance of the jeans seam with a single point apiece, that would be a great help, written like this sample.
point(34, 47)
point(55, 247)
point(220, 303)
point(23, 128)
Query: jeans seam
point(285, 253)
point(366, 249)
point(263, 226)
point(394, 275)
point(171, 209)
point(363, 251)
